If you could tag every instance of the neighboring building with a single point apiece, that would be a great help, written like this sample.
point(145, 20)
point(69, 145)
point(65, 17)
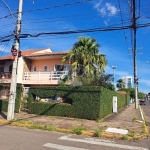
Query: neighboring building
point(35, 67)
point(128, 81)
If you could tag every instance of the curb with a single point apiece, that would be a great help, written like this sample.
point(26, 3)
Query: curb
point(144, 122)
point(83, 132)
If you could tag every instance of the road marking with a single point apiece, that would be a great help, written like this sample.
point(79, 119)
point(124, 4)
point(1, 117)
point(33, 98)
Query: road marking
point(61, 147)
point(98, 140)
point(115, 130)
point(102, 143)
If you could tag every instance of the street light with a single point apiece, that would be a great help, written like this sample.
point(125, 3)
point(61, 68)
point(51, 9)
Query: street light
point(114, 67)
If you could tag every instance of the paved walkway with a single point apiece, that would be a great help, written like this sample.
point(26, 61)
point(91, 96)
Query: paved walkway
point(124, 119)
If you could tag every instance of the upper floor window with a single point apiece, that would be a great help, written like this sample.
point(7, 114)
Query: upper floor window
point(10, 68)
point(34, 68)
point(45, 68)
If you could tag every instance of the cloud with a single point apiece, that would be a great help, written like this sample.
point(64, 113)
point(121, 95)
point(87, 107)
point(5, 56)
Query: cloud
point(112, 10)
point(97, 5)
point(107, 10)
point(106, 22)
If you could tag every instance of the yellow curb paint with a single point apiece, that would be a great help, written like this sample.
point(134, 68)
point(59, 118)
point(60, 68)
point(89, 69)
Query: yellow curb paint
point(63, 130)
point(88, 133)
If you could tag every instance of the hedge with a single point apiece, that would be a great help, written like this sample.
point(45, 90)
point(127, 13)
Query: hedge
point(89, 102)
point(82, 98)
point(4, 103)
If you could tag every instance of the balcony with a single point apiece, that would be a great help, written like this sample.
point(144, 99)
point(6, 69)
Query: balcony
point(44, 78)
point(5, 77)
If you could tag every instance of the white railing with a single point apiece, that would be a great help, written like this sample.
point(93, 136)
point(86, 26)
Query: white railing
point(44, 76)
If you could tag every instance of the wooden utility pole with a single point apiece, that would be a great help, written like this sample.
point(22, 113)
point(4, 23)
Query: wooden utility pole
point(134, 53)
point(16, 46)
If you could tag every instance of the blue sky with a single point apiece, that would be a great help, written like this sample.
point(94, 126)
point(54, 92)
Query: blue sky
point(116, 45)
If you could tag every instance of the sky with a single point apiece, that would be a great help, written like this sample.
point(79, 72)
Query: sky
point(72, 15)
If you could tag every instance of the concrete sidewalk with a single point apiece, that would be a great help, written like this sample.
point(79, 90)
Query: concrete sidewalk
point(128, 118)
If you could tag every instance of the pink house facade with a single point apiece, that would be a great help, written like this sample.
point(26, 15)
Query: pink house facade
point(35, 67)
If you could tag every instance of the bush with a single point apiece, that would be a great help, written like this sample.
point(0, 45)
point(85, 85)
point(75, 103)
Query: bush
point(88, 102)
point(4, 103)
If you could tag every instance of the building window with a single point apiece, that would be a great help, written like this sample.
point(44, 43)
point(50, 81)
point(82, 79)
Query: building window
point(34, 68)
point(45, 68)
point(59, 67)
point(10, 68)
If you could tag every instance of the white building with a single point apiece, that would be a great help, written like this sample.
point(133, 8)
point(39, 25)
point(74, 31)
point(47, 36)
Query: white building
point(128, 81)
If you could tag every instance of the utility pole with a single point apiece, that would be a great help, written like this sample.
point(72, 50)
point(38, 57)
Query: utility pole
point(134, 53)
point(114, 67)
point(16, 46)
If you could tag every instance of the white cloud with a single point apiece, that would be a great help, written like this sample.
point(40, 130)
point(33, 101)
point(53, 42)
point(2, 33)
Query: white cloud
point(112, 10)
point(97, 5)
point(107, 10)
point(106, 22)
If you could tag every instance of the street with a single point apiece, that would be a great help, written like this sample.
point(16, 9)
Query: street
point(15, 138)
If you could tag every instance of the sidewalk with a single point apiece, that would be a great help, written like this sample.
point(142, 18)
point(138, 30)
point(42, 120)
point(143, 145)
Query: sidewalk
point(125, 119)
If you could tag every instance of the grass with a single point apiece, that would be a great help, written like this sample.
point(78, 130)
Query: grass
point(131, 134)
point(100, 120)
point(134, 119)
point(78, 129)
point(98, 133)
point(125, 137)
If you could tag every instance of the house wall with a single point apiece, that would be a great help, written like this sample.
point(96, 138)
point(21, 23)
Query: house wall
point(50, 63)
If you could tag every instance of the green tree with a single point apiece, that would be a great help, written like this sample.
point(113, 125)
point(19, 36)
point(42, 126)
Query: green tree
point(141, 95)
point(131, 91)
point(85, 58)
point(120, 84)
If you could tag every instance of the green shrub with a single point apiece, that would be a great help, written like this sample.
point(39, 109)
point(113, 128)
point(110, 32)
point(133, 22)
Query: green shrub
point(88, 102)
point(4, 103)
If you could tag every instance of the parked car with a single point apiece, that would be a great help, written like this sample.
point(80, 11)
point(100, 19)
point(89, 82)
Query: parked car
point(142, 102)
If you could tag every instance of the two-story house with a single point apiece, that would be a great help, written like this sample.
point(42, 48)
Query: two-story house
point(35, 67)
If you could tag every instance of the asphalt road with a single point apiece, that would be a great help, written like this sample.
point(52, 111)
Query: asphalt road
point(15, 138)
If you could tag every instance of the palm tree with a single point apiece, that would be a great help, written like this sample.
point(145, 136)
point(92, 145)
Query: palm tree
point(84, 56)
point(120, 84)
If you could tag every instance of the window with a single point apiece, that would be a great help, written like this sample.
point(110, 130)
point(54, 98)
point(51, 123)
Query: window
point(34, 68)
point(59, 67)
point(45, 68)
point(10, 68)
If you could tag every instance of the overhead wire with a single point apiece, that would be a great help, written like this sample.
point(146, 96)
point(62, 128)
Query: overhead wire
point(124, 31)
point(51, 7)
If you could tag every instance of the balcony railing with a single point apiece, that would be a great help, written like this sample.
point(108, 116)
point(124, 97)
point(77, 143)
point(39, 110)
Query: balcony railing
point(44, 77)
point(5, 75)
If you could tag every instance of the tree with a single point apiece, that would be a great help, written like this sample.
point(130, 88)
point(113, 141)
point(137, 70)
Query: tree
point(120, 84)
point(131, 92)
point(85, 58)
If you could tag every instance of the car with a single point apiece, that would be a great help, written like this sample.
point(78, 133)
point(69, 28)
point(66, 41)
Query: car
point(142, 102)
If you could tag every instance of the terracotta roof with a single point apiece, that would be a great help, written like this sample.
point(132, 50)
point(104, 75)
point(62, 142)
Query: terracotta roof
point(31, 53)
point(46, 54)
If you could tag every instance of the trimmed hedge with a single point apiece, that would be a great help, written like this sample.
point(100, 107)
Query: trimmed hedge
point(89, 102)
point(4, 103)
point(82, 97)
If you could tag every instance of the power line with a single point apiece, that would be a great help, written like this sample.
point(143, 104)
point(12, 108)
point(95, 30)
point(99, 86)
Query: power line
point(46, 8)
point(7, 38)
